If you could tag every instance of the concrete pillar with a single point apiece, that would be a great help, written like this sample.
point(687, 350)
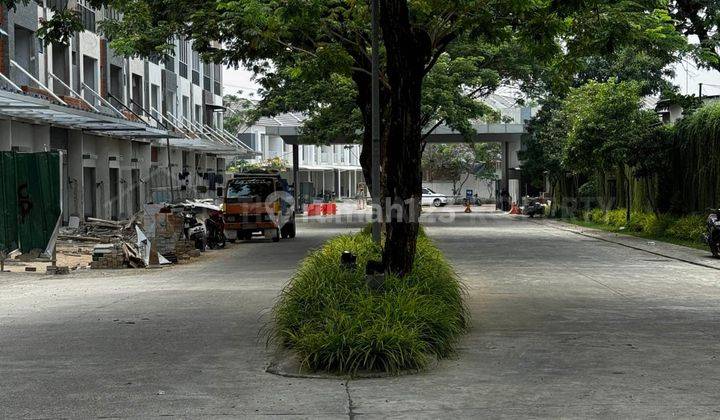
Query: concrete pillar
point(126, 184)
point(504, 165)
point(76, 187)
point(102, 178)
point(144, 157)
point(5, 135)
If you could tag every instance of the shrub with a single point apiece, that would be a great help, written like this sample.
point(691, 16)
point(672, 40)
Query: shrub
point(333, 321)
point(616, 218)
point(687, 228)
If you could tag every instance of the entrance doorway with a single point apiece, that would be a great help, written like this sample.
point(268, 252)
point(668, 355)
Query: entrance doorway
point(89, 188)
point(135, 175)
point(114, 194)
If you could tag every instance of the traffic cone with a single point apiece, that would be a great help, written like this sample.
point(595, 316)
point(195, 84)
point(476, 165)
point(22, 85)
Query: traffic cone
point(515, 209)
point(467, 207)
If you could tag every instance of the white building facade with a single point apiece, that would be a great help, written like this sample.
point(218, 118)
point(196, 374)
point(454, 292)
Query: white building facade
point(131, 131)
point(325, 171)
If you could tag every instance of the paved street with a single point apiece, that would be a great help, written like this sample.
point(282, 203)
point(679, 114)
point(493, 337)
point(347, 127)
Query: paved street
point(563, 325)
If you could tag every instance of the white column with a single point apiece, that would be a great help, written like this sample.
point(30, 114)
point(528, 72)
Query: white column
point(102, 177)
point(76, 186)
point(339, 184)
point(126, 185)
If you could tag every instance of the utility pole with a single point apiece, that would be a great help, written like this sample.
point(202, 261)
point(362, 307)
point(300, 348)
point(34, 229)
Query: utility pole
point(700, 85)
point(375, 125)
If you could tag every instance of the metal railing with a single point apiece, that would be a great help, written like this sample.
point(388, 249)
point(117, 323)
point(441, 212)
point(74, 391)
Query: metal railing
point(103, 100)
point(31, 77)
point(57, 79)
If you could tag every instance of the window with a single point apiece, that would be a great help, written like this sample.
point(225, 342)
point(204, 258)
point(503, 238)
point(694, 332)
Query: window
point(87, 17)
point(196, 68)
point(57, 4)
point(186, 107)
point(206, 76)
point(182, 58)
point(198, 114)
point(251, 190)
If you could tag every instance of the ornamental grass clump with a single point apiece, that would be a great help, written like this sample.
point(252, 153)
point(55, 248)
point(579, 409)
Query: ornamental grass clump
point(335, 322)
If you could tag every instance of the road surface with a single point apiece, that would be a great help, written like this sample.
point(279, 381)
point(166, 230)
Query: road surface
point(563, 325)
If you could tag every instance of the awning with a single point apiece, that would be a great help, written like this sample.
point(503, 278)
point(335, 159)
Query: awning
point(36, 110)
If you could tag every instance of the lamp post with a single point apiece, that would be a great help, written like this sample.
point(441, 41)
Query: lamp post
point(375, 124)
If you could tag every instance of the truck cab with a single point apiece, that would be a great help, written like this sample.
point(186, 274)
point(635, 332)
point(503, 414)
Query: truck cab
point(258, 202)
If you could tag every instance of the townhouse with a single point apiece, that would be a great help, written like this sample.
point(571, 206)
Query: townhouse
point(131, 131)
point(324, 171)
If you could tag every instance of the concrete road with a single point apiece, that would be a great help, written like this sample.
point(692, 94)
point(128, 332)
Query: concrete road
point(563, 326)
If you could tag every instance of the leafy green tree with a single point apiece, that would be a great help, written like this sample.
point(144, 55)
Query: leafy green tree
point(701, 19)
point(454, 50)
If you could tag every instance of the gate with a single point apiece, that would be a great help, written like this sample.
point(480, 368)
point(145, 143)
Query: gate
point(30, 200)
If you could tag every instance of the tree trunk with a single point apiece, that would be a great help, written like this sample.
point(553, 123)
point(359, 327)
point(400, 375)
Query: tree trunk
point(407, 51)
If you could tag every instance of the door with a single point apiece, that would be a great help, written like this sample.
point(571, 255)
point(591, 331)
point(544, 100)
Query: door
point(90, 78)
point(114, 194)
point(137, 93)
point(89, 188)
point(135, 175)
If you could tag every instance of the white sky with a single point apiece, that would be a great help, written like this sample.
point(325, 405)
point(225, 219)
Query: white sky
point(239, 80)
point(687, 78)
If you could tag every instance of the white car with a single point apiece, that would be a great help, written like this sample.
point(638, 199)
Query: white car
point(430, 197)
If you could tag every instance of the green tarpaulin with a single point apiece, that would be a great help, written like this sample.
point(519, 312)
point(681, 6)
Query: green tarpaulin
point(29, 199)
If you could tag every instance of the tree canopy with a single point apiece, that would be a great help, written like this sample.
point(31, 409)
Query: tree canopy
point(437, 58)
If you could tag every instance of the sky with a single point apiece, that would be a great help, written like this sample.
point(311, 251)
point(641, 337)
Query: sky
point(235, 80)
point(687, 78)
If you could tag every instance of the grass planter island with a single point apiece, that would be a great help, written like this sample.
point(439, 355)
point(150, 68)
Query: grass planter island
point(334, 322)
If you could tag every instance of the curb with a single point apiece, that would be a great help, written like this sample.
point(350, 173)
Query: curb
point(624, 240)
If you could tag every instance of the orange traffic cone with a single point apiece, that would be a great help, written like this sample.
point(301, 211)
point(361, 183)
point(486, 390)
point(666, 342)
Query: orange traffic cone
point(515, 209)
point(467, 207)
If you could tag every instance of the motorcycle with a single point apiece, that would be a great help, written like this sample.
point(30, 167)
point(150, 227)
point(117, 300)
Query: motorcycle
point(193, 229)
point(215, 226)
point(712, 235)
point(534, 208)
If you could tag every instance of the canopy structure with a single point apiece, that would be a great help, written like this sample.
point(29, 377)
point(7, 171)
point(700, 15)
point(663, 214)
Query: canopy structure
point(37, 110)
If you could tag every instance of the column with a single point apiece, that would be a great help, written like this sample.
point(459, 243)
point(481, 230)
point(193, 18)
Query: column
point(76, 181)
point(296, 175)
point(102, 177)
point(126, 184)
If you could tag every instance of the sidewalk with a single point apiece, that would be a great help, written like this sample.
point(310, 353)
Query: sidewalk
point(677, 252)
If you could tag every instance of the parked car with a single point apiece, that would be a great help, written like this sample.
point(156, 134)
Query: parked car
point(430, 197)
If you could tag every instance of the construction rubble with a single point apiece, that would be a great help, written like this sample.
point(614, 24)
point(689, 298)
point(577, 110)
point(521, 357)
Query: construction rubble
point(152, 237)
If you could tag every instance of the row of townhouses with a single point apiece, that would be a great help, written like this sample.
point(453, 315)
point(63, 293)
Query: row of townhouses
point(325, 171)
point(131, 131)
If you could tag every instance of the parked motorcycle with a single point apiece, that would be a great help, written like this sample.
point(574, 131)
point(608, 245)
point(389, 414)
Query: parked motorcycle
point(215, 226)
point(534, 208)
point(193, 229)
point(712, 235)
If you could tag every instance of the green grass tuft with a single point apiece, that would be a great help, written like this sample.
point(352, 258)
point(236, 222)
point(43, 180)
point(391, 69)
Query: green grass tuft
point(335, 322)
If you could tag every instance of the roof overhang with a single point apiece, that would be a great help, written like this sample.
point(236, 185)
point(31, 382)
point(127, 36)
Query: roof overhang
point(21, 107)
point(442, 134)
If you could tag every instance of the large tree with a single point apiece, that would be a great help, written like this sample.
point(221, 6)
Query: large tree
point(437, 56)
